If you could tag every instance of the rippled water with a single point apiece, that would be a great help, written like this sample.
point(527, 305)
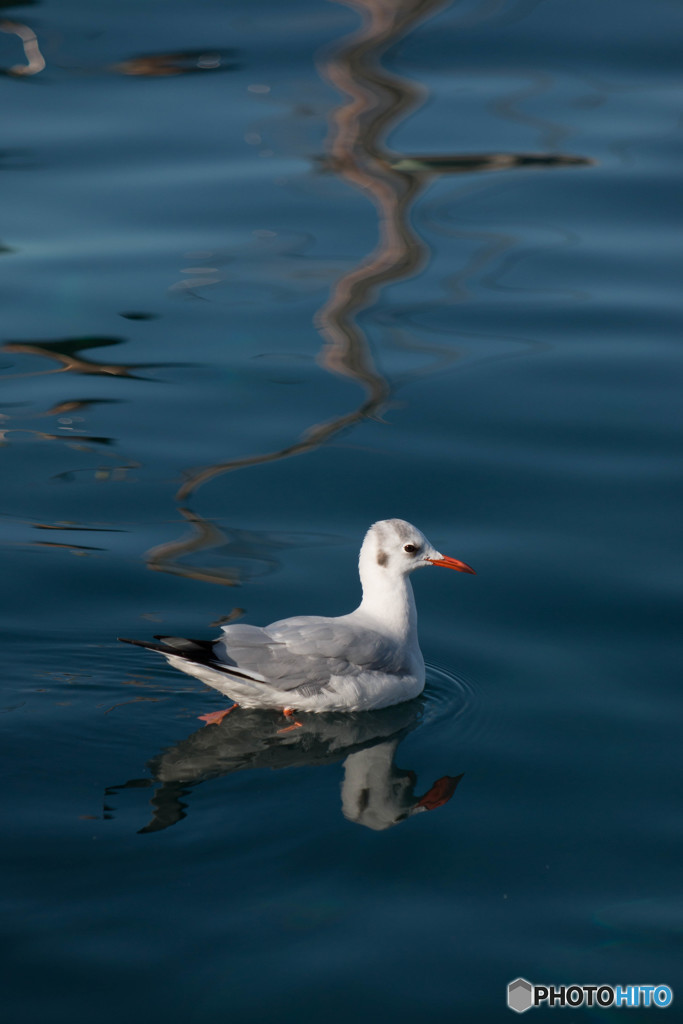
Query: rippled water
point(272, 272)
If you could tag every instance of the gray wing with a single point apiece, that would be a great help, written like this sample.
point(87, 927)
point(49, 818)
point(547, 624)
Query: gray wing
point(303, 652)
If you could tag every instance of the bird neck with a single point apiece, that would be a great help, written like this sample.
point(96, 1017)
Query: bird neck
point(388, 599)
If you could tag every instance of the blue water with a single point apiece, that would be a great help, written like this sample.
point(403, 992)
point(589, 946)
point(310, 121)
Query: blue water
point(271, 272)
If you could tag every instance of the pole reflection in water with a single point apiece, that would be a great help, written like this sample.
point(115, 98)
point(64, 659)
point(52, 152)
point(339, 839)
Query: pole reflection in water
point(375, 102)
point(375, 792)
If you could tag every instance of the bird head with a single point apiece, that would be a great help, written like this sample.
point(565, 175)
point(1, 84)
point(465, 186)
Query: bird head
point(397, 547)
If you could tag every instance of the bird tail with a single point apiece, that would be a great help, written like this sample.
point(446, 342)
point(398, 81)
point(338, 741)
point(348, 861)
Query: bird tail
point(200, 651)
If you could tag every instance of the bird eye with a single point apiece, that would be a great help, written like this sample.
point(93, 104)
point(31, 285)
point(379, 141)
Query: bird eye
point(410, 548)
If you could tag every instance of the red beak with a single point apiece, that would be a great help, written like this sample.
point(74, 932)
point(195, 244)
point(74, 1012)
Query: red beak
point(453, 563)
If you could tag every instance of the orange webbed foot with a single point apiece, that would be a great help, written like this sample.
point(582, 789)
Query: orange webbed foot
point(288, 712)
point(216, 717)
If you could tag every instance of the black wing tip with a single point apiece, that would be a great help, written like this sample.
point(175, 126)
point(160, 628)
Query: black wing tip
point(162, 648)
point(198, 651)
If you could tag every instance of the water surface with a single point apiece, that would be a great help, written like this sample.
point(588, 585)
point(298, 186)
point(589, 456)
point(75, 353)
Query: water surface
point(271, 273)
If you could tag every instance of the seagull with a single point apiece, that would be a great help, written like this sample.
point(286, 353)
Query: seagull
point(362, 661)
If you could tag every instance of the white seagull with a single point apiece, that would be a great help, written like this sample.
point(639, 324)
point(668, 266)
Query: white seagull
point(362, 661)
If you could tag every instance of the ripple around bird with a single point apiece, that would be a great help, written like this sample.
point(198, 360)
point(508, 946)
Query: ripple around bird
point(450, 697)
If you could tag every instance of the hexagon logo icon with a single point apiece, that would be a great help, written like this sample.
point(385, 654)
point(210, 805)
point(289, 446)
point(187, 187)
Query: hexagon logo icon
point(520, 995)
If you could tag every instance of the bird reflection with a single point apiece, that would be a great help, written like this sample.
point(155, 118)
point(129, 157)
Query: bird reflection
point(375, 792)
